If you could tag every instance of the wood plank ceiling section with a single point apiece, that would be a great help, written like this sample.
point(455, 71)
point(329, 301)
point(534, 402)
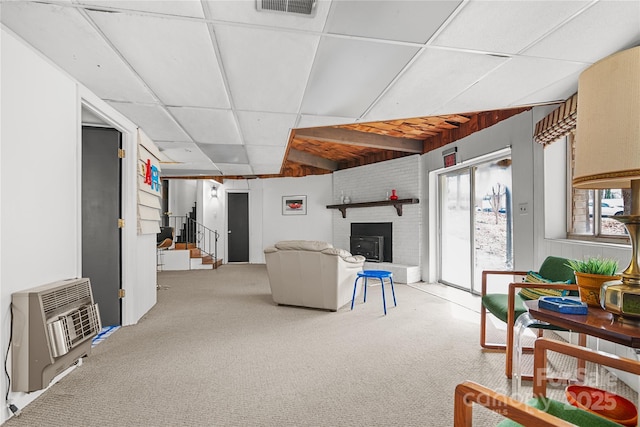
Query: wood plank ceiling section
point(322, 150)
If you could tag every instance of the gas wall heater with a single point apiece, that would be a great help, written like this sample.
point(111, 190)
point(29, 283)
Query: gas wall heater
point(52, 328)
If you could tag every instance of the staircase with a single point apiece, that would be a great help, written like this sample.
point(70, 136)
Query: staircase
point(195, 246)
point(197, 258)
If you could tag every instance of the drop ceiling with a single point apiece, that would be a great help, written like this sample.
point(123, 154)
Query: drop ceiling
point(227, 90)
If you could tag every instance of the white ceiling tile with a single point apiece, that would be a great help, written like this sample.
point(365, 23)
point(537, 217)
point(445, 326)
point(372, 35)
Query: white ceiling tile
point(208, 125)
point(603, 29)
point(155, 121)
point(559, 90)
point(190, 8)
point(266, 128)
point(348, 75)
point(411, 21)
point(505, 26)
point(267, 70)
point(265, 154)
point(245, 11)
point(432, 80)
point(233, 169)
point(309, 121)
point(517, 78)
point(175, 57)
point(68, 40)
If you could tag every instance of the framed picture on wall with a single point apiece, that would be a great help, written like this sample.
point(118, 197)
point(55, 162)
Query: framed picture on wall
point(294, 205)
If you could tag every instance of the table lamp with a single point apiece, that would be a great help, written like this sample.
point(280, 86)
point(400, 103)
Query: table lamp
point(607, 155)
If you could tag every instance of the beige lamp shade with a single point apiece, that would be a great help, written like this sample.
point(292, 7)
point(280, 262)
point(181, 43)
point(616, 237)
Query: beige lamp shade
point(607, 147)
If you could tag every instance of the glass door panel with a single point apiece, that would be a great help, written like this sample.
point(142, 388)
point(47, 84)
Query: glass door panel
point(455, 230)
point(492, 225)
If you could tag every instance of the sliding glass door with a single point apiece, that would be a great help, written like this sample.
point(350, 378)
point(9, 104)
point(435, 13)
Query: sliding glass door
point(475, 222)
point(455, 232)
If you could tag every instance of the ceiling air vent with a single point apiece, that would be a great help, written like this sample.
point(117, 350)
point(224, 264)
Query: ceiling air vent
point(303, 7)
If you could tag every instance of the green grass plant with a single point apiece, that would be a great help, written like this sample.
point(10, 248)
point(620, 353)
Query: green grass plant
point(597, 265)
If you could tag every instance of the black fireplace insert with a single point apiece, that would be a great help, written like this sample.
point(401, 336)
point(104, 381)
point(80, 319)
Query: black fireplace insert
point(375, 229)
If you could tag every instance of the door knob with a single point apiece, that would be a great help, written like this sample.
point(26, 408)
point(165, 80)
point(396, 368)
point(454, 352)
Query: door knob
point(229, 232)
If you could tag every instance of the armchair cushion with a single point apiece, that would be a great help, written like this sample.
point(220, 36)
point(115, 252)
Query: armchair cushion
point(535, 293)
point(497, 305)
point(556, 269)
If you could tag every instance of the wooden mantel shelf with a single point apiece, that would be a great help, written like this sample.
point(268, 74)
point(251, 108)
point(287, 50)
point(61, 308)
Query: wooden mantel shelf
point(395, 203)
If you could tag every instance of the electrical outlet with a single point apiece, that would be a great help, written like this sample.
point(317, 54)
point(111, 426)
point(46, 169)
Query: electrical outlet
point(523, 208)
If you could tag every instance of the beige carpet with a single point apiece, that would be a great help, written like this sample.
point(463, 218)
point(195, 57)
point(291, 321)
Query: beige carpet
point(216, 351)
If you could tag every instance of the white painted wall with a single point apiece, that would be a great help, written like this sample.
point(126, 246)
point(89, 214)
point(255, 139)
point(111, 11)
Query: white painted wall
point(40, 188)
point(182, 196)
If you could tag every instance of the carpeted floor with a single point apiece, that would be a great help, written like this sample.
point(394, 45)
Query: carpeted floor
point(216, 351)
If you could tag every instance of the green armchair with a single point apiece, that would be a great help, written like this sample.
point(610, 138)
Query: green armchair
point(540, 410)
point(510, 305)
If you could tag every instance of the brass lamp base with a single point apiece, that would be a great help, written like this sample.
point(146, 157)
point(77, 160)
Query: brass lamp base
point(622, 298)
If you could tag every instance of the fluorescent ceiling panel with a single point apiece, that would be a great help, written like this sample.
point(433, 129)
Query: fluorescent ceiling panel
point(505, 26)
point(266, 169)
point(266, 128)
point(208, 125)
point(431, 81)
point(409, 21)
point(190, 8)
point(193, 171)
point(174, 56)
point(349, 74)
point(233, 169)
point(601, 30)
point(245, 11)
point(518, 77)
point(155, 121)
point(267, 70)
point(219, 153)
point(183, 152)
point(64, 36)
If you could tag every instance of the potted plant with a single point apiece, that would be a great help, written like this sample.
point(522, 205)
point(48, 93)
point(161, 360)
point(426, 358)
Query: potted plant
point(590, 274)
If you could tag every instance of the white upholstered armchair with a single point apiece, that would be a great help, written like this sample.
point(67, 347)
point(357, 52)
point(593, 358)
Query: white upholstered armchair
point(311, 273)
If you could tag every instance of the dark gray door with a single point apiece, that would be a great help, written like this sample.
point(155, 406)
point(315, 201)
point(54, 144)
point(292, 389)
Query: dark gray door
point(100, 214)
point(238, 233)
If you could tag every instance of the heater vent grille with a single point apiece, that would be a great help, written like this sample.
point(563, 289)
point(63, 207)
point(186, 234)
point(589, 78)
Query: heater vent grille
point(61, 299)
point(303, 7)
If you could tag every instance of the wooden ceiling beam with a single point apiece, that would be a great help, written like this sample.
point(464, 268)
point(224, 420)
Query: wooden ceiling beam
point(362, 139)
point(311, 160)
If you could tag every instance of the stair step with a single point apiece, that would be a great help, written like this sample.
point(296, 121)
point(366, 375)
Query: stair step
point(195, 253)
point(185, 245)
point(207, 259)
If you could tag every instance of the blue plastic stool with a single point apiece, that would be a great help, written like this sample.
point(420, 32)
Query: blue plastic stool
point(374, 274)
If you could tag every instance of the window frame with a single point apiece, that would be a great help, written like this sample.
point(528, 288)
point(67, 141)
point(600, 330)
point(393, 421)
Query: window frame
point(596, 235)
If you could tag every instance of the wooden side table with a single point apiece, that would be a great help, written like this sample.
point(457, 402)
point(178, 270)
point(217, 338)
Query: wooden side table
point(597, 323)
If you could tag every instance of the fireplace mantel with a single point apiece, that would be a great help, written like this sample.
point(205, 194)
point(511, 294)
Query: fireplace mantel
point(395, 203)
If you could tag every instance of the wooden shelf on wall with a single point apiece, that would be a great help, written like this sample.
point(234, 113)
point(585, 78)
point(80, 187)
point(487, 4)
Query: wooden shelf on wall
point(395, 203)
